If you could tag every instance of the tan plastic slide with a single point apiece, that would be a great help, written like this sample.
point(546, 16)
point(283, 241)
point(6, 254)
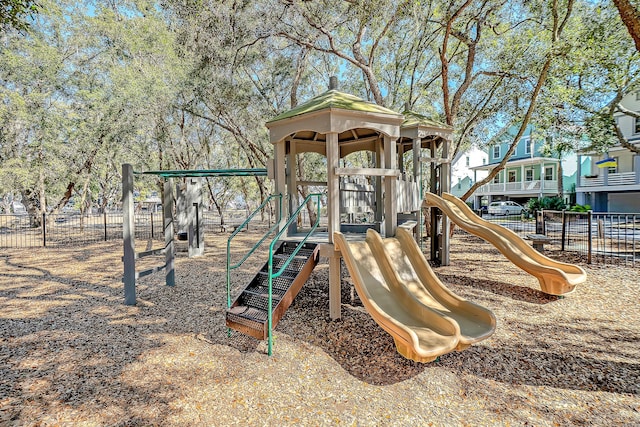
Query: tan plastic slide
point(556, 278)
point(404, 296)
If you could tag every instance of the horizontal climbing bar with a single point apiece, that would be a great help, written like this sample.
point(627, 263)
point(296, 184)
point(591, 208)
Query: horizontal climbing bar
point(150, 271)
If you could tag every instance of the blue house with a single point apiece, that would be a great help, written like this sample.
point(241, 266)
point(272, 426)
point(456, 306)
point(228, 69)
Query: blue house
point(528, 174)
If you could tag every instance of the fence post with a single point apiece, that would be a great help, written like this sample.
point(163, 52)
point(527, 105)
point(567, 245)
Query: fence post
point(564, 229)
point(540, 222)
point(104, 220)
point(590, 236)
point(152, 212)
point(44, 229)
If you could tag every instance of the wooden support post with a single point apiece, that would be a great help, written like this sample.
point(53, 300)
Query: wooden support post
point(435, 212)
point(390, 187)
point(281, 183)
point(128, 235)
point(379, 164)
point(167, 209)
point(292, 185)
point(195, 230)
point(335, 296)
point(445, 187)
point(333, 184)
point(417, 177)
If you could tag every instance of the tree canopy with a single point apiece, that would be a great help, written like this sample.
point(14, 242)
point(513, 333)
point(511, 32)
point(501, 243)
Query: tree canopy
point(187, 84)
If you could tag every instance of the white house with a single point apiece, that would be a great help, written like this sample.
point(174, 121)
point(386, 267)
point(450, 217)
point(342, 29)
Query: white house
point(462, 173)
point(613, 186)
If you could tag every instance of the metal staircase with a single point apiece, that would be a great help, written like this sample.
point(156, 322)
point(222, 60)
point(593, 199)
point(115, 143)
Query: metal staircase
point(249, 312)
point(263, 302)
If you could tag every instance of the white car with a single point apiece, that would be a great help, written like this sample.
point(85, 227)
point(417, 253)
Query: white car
point(505, 208)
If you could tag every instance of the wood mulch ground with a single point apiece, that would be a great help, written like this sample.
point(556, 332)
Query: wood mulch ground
point(72, 354)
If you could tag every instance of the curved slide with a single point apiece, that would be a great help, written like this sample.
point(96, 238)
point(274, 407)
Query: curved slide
point(405, 297)
point(556, 278)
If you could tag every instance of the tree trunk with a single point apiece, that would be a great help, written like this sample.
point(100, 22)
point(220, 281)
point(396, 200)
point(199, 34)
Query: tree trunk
point(560, 183)
point(631, 19)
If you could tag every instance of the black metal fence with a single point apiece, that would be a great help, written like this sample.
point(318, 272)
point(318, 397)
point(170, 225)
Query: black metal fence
point(600, 237)
point(23, 231)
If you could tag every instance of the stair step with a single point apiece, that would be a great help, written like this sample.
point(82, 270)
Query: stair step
point(287, 256)
point(281, 283)
point(287, 274)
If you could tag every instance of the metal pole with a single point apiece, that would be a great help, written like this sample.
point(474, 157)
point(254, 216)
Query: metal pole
point(104, 219)
point(44, 229)
point(195, 205)
point(590, 236)
point(564, 229)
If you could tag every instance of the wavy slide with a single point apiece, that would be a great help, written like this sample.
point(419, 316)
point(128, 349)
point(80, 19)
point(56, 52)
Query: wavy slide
point(556, 278)
point(404, 296)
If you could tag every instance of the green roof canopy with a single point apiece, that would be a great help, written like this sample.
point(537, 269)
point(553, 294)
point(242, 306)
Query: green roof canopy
point(414, 119)
point(333, 99)
point(205, 173)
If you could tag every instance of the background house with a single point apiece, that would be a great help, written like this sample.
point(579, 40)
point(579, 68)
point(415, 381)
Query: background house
point(462, 173)
point(528, 174)
point(614, 188)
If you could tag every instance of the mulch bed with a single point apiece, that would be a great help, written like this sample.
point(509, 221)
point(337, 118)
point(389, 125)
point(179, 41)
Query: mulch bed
point(72, 354)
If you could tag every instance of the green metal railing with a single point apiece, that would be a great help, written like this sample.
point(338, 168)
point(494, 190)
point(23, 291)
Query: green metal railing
point(238, 229)
point(277, 274)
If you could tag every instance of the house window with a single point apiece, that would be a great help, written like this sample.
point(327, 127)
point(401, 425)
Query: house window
point(637, 126)
point(638, 95)
point(527, 145)
point(467, 161)
point(484, 161)
point(496, 179)
point(528, 175)
point(614, 169)
point(496, 151)
point(512, 176)
point(548, 173)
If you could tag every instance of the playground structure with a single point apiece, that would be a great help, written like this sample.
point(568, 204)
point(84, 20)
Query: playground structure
point(336, 125)
point(189, 209)
point(391, 276)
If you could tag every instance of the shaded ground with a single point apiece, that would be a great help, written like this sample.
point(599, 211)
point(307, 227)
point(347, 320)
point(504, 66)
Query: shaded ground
point(72, 353)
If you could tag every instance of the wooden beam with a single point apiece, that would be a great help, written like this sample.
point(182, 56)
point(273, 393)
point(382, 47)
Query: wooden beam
point(367, 172)
point(436, 160)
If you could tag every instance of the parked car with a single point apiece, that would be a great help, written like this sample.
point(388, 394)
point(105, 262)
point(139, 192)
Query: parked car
point(505, 208)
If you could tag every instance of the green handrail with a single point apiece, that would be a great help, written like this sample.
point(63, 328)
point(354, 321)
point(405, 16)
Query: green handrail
point(272, 275)
point(237, 230)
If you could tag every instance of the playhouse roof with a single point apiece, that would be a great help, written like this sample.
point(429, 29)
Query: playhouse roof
point(412, 118)
point(334, 99)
